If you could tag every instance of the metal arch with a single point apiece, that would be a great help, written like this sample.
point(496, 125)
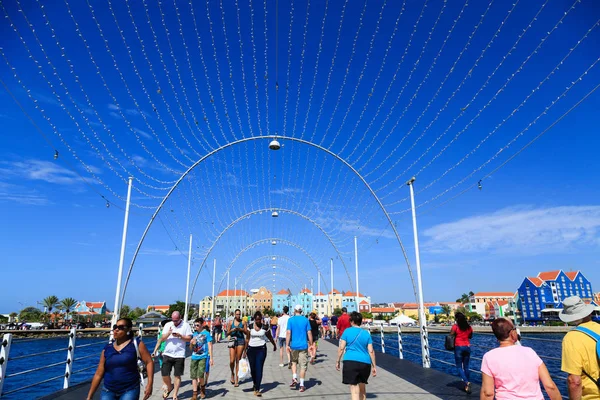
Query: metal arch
point(265, 267)
point(248, 215)
point(261, 137)
point(268, 240)
point(259, 259)
point(265, 276)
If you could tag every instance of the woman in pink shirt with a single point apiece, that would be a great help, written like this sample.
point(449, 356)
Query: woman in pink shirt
point(463, 333)
point(514, 372)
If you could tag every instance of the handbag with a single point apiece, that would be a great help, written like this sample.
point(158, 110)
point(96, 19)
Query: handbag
point(140, 364)
point(243, 368)
point(449, 342)
point(232, 343)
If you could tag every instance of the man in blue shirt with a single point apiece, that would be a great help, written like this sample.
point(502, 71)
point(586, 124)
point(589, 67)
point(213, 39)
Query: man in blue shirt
point(202, 347)
point(298, 340)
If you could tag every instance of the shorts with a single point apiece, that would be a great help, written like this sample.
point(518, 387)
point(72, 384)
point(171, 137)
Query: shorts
point(172, 363)
point(198, 368)
point(281, 342)
point(354, 372)
point(333, 328)
point(217, 330)
point(300, 357)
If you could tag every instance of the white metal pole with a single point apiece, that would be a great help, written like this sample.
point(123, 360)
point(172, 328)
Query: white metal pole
point(235, 292)
point(356, 268)
point(4, 355)
point(331, 298)
point(422, 320)
point(187, 282)
point(311, 286)
point(318, 282)
point(117, 309)
point(227, 315)
point(214, 301)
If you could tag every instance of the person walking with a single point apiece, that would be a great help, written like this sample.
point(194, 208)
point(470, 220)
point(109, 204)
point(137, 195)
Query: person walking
point(462, 333)
point(343, 322)
point(579, 349)
point(160, 344)
point(237, 331)
point(511, 371)
point(273, 325)
point(314, 329)
point(175, 334)
point(257, 350)
point(325, 327)
point(281, 334)
point(296, 341)
point(356, 348)
point(202, 349)
point(118, 366)
point(217, 328)
point(333, 322)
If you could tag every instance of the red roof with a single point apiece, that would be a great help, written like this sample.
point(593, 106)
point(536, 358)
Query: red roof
point(353, 294)
point(233, 293)
point(549, 275)
point(494, 294)
point(376, 310)
point(398, 305)
point(415, 305)
point(572, 274)
point(335, 291)
point(502, 302)
point(364, 302)
point(305, 290)
point(320, 294)
point(87, 313)
point(283, 291)
point(158, 308)
point(536, 281)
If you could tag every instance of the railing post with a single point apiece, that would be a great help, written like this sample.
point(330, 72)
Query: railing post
point(382, 341)
point(141, 330)
point(70, 358)
point(4, 352)
point(400, 354)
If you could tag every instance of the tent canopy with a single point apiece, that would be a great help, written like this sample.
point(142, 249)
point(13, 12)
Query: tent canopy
point(402, 319)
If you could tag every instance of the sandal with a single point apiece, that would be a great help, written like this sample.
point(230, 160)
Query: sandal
point(166, 392)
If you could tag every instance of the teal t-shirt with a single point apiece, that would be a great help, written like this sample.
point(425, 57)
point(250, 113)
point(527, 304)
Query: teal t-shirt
point(200, 349)
point(356, 345)
point(299, 326)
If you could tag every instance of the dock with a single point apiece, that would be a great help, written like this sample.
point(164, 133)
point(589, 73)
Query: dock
point(395, 379)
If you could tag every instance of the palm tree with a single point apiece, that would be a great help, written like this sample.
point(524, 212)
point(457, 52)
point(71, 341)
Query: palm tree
point(12, 316)
point(446, 310)
point(50, 302)
point(67, 304)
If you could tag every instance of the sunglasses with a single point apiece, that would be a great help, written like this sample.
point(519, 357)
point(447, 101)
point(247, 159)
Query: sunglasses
point(120, 327)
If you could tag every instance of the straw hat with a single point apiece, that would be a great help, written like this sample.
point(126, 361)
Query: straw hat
point(574, 309)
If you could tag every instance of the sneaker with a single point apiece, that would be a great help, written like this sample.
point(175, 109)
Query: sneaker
point(302, 389)
point(281, 365)
point(294, 383)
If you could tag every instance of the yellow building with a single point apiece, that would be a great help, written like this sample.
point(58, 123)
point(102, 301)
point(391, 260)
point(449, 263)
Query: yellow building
point(334, 301)
point(205, 306)
point(263, 299)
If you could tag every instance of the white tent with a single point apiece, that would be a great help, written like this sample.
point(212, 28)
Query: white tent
point(403, 320)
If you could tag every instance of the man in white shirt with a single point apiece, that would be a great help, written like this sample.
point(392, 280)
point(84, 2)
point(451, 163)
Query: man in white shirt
point(280, 335)
point(175, 334)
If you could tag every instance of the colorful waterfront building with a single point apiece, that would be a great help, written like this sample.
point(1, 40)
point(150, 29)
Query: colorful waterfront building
point(263, 300)
point(320, 304)
point(541, 296)
point(91, 308)
point(477, 302)
point(335, 300)
point(229, 300)
point(281, 299)
point(159, 308)
point(205, 306)
point(305, 299)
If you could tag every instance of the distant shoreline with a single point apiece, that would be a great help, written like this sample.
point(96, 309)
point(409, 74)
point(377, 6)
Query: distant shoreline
point(480, 329)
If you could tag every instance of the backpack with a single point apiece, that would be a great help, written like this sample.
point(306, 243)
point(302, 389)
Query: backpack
point(596, 338)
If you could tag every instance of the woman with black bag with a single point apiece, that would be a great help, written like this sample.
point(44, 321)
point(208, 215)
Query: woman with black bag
point(462, 332)
point(237, 332)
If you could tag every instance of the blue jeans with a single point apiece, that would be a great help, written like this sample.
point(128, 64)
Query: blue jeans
point(132, 394)
point(256, 358)
point(462, 356)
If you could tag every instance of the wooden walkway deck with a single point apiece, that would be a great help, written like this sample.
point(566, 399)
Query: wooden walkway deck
point(395, 379)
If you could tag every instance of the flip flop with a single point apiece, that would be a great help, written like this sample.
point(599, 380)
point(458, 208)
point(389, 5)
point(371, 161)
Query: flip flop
point(166, 393)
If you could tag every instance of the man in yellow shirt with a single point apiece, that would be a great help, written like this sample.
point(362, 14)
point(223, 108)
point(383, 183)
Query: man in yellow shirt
point(579, 358)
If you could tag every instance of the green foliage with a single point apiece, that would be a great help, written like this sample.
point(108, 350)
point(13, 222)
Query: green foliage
point(30, 314)
point(3, 318)
point(125, 310)
point(446, 310)
point(268, 311)
point(13, 315)
point(68, 303)
point(462, 310)
point(473, 317)
point(50, 302)
point(464, 298)
point(178, 306)
point(337, 311)
point(136, 313)
point(367, 315)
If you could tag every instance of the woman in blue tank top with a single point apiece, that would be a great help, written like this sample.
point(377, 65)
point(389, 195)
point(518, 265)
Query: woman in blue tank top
point(237, 332)
point(118, 366)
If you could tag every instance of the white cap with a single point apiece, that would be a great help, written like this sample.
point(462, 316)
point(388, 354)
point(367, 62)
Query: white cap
point(298, 307)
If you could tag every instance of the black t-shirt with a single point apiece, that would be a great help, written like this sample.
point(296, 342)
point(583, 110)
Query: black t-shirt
point(334, 320)
point(314, 328)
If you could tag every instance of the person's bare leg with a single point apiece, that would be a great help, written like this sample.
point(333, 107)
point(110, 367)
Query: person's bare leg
point(363, 391)
point(167, 381)
point(232, 365)
point(281, 355)
point(238, 356)
point(354, 392)
point(176, 387)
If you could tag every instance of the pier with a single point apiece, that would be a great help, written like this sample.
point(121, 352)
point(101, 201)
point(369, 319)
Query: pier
point(395, 378)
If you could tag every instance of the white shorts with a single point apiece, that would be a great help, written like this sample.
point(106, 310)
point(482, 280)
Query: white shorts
point(333, 328)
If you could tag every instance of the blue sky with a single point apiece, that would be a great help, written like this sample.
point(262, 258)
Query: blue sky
point(447, 93)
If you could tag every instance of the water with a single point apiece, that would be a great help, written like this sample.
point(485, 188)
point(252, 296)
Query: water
point(547, 346)
point(87, 355)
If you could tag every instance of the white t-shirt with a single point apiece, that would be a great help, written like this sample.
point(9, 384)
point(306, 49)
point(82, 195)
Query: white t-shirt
point(258, 338)
point(282, 324)
point(175, 346)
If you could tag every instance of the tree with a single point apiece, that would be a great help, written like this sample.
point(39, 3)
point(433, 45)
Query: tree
point(12, 316)
point(125, 311)
point(367, 315)
point(50, 302)
point(446, 310)
point(337, 311)
point(30, 314)
point(68, 304)
point(464, 298)
point(473, 317)
point(136, 313)
point(178, 306)
point(3, 318)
